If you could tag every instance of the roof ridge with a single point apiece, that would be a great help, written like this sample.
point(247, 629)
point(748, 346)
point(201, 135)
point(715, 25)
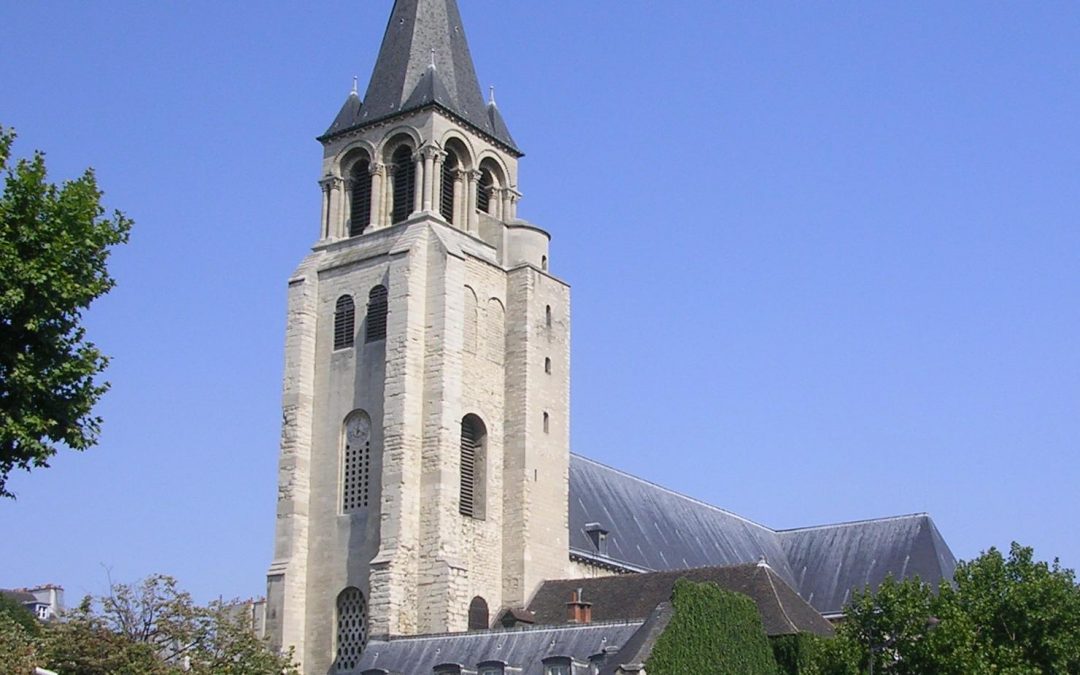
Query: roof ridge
point(849, 523)
point(509, 631)
point(674, 492)
point(776, 596)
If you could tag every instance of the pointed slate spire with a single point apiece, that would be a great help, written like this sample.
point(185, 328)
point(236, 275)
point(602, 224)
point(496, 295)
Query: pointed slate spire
point(425, 59)
point(349, 115)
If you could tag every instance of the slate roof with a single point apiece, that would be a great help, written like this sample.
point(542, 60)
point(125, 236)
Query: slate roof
point(421, 33)
point(626, 597)
point(652, 528)
point(521, 648)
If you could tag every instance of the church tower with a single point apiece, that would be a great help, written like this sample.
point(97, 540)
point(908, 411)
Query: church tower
point(425, 433)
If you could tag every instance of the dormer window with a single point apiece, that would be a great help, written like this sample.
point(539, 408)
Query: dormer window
point(599, 537)
point(557, 665)
point(491, 668)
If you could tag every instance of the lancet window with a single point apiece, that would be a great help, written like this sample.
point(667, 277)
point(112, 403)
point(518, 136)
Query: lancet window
point(378, 306)
point(446, 197)
point(404, 183)
point(473, 467)
point(360, 197)
point(344, 322)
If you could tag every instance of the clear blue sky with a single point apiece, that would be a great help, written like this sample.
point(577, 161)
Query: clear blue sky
point(825, 257)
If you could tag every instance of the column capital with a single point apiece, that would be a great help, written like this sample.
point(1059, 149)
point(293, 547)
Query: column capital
point(431, 151)
point(377, 169)
point(331, 183)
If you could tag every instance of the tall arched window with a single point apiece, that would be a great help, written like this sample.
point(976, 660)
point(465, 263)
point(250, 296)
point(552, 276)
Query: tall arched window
point(351, 629)
point(360, 197)
point(473, 467)
point(378, 305)
point(404, 183)
point(446, 198)
point(344, 322)
point(356, 462)
point(483, 191)
point(478, 614)
point(494, 331)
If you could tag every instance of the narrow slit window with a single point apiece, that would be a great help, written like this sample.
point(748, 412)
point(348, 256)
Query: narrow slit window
point(547, 316)
point(547, 423)
point(404, 184)
point(344, 322)
point(547, 366)
point(446, 198)
point(360, 198)
point(473, 469)
point(378, 307)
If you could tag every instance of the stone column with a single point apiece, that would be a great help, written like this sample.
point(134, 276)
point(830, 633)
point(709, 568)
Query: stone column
point(388, 197)
point(378, 172)
point(419, 180)
point(461, 185)
point(515, 197)
point(324, 220)
point(471, 213)
point(498, 196)
point(429, 153)
point(335, 217)
point(346, 207)
point(437, 183)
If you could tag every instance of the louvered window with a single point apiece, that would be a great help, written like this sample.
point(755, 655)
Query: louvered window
point(483, 191)
point(351, 629)
point(360, 198)
point(344, 322)
point(473, 437)
point(404, 183)
point(378, 305)
point(478, 614)
point(356, 464)
point(446, 199)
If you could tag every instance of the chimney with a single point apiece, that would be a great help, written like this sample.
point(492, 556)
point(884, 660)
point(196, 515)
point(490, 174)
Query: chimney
point(577, 610)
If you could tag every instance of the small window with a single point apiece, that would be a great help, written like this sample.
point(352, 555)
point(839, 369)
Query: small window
point(547, 423)
point(378, 304)
point(543, 263)
point(351, 629)
point(547, 366)
point(344, 322)
point(404, 184)
point(478, 614)
point(547, 316)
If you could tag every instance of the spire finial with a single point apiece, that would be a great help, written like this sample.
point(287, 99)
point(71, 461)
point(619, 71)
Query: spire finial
point(491, 96)
point(432, 57)
point(354, 85)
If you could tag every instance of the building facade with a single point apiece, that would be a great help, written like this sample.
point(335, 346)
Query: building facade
point(426, 484)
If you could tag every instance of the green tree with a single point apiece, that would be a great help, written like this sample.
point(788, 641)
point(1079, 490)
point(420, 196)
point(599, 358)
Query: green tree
point(712, 632)
point(13, 610)
point(54, 245)
point(17, 648)
point(1002, 616)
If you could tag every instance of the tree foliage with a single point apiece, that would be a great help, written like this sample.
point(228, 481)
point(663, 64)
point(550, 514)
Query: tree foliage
point(149, 628)
point(712, 632)
point(1003, 616)
point(54, 246)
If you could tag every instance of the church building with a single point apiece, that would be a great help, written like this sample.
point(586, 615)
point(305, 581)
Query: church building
point(427, 491)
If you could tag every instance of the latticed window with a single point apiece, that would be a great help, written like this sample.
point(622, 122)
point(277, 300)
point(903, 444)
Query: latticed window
point(378, 305)
point(478, 614)
point(404, 183)
point(351, 629)
point(356, 464)
point(360, 198)
point(344, 322)
point(446, 198)
point(483, 191)
point(473, 437)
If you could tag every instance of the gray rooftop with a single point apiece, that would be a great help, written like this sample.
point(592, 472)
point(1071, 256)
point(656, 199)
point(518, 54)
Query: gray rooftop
point(424, 60)
point(651, 528)
point(520, 648)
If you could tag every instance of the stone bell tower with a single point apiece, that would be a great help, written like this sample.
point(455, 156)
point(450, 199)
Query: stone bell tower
point(425, 433)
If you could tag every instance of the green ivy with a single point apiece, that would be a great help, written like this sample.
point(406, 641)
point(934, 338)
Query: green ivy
point(712, 632)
